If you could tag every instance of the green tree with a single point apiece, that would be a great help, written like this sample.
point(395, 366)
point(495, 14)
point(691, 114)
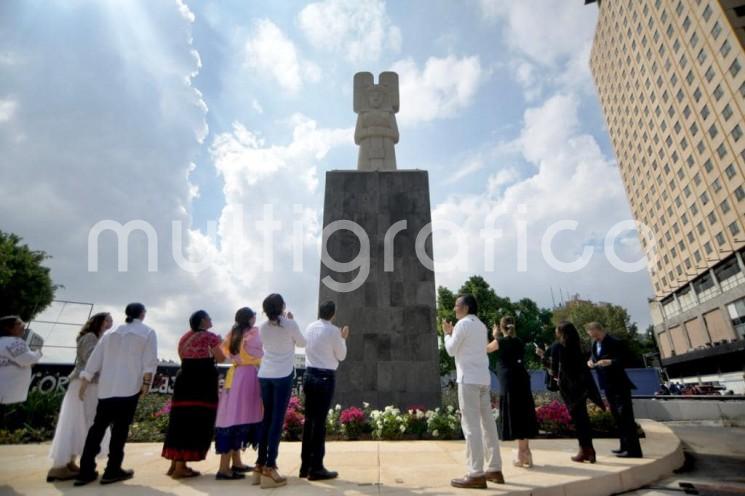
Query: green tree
point(614, 318)
point(25, 285)
point(533, 323)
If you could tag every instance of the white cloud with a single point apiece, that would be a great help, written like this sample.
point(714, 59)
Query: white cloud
point(544, 30)
point(270, 52)
point(573, 180)
point(358, 29)
point(443, 88)
point(7, 109)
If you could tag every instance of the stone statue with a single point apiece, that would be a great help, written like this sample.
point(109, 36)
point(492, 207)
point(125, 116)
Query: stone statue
point(376, 131)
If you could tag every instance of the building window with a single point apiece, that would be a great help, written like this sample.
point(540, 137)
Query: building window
point(734, 228)
point(730, 171)
point(742, 90)
point(697, 93)
point(725, 49)
point(727, 112)
point(739, 193)
point(713, 130)
point(736, 132)
point(708, 166)
point(721, 150)
point(734, 68)
point(707, 248)
point(689, 161)
point(697, 256)
point(686, 23)
point(724, 206)
point(712, 218)
point(707, 13)
point(718, 92)
point(690, 236)
point(694, 131)
point(701, 56)
point(697, 179)
point(700, 147)
point(705, 112)
point(710, 74)
point(678, 8)
point(716, 186)
point(694, 209)
point(694, 40)
point(720, 238)
point(716, 30)
point(704, 198)
point(700, 227)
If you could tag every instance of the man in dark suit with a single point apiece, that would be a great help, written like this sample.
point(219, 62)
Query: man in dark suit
point(608, 359)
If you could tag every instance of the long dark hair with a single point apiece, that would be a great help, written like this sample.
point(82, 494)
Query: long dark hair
point(94, 325)
point(7, 324)
point(273, 307)
point(196, 319)
point(242, 322)
point(133, 311)
point(572, 355)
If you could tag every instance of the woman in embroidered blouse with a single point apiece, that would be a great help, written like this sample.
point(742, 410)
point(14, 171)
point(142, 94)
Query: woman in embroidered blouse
point(16, 360)
point(191, 424)
point(240, 412)
point(76, 416)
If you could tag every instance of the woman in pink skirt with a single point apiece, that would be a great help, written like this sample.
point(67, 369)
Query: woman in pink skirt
point(240, 412)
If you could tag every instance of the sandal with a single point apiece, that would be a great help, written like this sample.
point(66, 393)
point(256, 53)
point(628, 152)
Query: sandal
point(230, 476)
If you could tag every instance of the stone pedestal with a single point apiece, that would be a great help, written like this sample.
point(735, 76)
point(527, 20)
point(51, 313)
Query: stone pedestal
point(392, 349)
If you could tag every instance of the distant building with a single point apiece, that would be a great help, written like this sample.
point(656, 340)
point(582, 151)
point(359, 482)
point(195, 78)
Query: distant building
point(670, 76)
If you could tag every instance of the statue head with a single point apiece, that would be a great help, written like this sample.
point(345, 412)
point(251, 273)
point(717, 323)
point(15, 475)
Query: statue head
point(383, 95)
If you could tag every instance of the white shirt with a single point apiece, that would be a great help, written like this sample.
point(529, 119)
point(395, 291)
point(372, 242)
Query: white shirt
point(122, 357)
point(324, 346)
point(16, 360)
point(467, 344)
point(279, 342)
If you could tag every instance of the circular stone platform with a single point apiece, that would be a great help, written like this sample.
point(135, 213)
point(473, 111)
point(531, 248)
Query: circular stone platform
point(372, 467)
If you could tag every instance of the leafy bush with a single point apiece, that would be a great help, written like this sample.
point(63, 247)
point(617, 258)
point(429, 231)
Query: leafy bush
point(294, 420)
point(444, 423)
point(333, 427)
point(554, 418)
point(387, 424)
point(416, 422)
point(353, 423)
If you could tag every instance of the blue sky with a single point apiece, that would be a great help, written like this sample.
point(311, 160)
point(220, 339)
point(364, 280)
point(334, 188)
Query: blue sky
point(204, 112)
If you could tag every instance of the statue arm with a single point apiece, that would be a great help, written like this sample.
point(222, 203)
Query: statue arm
point(394, 128)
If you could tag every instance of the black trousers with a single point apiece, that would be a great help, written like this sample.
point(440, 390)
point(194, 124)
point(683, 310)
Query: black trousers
point(581, 421)
point(318, 386)
point(117, 413)
point(623, 413)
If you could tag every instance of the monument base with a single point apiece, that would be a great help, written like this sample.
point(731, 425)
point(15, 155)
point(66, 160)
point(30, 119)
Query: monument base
point(392, 354)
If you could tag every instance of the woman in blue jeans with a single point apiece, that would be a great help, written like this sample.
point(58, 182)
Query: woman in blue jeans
point(279, 337)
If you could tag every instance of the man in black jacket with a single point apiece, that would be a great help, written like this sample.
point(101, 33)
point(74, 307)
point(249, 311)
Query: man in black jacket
point(608, 359)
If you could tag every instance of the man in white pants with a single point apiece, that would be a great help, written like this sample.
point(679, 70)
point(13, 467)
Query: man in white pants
point(466, 342)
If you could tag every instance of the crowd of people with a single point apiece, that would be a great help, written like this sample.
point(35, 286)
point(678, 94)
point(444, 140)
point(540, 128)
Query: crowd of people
point(114, 369)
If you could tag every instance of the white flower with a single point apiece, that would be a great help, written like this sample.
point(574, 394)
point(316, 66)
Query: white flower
point(450, 408)
point(419, 414)
point(402, 429)
point(452, 426)
point(365, 404)
point(435, 433)
point(337, 407)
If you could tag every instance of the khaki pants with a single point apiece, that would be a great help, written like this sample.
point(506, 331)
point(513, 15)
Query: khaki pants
point(479, 429)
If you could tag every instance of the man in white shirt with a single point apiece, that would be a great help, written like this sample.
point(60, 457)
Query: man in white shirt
point(126, 360)
point(325, 347)
point(467, 342)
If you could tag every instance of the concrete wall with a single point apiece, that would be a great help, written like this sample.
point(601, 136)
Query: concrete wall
point(393, 357)
point(729, 413)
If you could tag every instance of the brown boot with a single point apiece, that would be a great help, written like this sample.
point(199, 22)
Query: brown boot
point(585, 455)
point(270, 478)
point(495, 476)
point(470, 482)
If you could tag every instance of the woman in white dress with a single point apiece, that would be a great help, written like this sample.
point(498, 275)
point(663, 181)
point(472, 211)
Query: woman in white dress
point(76, 416)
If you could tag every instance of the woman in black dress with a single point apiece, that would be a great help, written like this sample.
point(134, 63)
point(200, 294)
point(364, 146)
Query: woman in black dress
point(567, 364)
point(517, 418)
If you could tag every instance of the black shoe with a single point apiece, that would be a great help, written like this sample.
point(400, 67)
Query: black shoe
point(617, 451)
point(627, 454)
point(83, 479)
point(242, 470)
point(303, 474)
point(231, 476)
point(322, 474)
point(119, 475)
